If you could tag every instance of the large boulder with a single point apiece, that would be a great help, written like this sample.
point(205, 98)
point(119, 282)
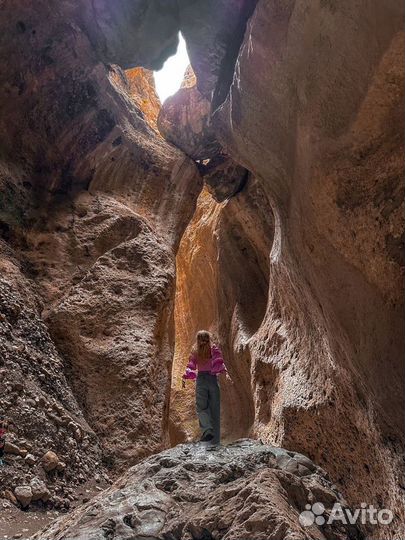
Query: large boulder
point(23, 494)
point(185, 121)
point(242, 491)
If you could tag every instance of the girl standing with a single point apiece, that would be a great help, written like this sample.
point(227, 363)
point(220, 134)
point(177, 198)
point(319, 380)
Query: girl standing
point(205, 364)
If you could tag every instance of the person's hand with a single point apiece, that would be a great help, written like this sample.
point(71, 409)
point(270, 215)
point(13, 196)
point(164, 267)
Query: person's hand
point(183, 383)
point(228, 378)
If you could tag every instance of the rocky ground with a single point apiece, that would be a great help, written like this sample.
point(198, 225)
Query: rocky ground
point(50, 449)
point(19, 523)
point(244, 490)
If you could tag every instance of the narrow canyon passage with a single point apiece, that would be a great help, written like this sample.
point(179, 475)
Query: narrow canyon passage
point(222, 286)
point(262, 201)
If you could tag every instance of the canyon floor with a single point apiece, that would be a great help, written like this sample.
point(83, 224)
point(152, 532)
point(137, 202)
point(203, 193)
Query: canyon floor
point(22, 524)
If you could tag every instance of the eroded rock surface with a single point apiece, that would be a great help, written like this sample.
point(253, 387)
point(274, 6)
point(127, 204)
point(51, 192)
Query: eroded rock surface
point(306, 288)
point(185, 121)
point(242, 491)
point(141, 87)
point(37, 398)
point(222, 284)
point(321, 127)
point(93, 203)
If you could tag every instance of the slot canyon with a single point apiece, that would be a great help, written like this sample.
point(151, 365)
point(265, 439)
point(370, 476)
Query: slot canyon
point(264, 202)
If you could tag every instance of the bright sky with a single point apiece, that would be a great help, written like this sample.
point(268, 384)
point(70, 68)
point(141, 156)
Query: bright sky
point(170, 77)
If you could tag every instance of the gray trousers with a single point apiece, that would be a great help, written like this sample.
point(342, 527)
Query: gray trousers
point(208, 404)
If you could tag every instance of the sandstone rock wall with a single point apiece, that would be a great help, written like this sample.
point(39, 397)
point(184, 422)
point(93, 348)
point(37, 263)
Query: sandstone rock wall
point(305, 292)
point(222, 283)
point(93, 202)
point(315, 111)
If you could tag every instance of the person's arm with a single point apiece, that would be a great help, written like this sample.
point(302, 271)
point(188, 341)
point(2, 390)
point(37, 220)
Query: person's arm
point(218, 365)
point(191, 369)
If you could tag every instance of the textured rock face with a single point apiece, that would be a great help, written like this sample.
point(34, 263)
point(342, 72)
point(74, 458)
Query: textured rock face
point(222, 284)
point(142, 90)
point(35, 394)
point(320, 125)
point(299, 274)
point(185, 121)
point(93, 202)
point(247, 490)
point(321, 128)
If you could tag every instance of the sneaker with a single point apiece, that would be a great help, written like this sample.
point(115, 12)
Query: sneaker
point(208, 436)
point(213, 447)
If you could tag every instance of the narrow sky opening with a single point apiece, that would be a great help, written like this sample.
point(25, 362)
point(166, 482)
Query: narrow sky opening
point(168, 80)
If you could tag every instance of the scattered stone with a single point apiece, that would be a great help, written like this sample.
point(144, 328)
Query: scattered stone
point(9, 495)
point(23, 495)
point(30, 459)
point(49, 461)
point(11, 448)
point(61, 466)
point(39, 490)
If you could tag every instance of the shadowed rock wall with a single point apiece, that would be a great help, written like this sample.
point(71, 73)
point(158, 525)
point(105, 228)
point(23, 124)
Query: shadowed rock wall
point(315, 111)
point(93, 202)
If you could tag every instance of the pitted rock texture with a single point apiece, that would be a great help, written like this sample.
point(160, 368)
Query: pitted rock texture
point(242, 491)
point(93, 202)
point(321, 127)
point(37, 398)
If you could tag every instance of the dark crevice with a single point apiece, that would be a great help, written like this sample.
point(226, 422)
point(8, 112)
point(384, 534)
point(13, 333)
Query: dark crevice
point(243, 183)
point(228, 63)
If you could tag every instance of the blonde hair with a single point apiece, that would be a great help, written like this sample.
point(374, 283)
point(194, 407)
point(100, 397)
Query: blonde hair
point(202, 347)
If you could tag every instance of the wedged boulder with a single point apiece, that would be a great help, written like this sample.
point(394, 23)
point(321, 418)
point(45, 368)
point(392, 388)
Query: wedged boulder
point(223, 177)
point(238, 492)
point(185, 121)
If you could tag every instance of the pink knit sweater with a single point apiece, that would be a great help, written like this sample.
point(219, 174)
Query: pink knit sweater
point(214, 366)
